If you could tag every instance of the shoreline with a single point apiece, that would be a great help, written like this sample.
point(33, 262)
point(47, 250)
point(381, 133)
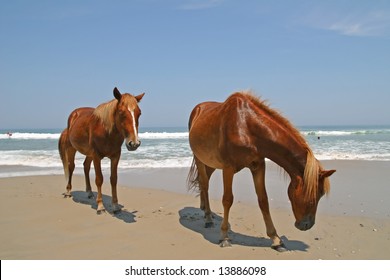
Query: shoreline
point(352, 190)
point(160, 223)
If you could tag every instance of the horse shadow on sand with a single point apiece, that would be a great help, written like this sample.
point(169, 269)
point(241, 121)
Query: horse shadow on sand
point(192, 218)
point(124, 215)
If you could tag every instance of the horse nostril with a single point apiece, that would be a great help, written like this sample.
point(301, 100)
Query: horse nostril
point(305, 224)
point(134, 145)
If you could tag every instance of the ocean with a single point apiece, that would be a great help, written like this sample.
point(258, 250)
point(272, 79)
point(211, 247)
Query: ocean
point(34, 151)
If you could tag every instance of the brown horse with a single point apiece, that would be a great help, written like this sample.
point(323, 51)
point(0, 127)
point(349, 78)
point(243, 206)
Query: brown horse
point(99, 133)
point(241, 132)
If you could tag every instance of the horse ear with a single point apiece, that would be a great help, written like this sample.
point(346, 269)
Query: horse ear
point(117, 94)
point(327, 173)
point(139, 97)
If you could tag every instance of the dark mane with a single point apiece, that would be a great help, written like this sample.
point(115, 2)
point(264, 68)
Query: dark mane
point(283, 122)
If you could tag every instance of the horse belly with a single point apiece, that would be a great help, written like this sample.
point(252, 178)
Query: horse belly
point(209, 158)
point(206, 149)
point(213, 149)
point(80, 143)
point(79, 132)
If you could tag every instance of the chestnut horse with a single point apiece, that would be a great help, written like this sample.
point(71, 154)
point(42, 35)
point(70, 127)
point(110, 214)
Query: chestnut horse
point(99, 133)
point(241, 132)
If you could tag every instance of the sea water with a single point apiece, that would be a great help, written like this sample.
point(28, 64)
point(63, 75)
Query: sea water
point(35, 151)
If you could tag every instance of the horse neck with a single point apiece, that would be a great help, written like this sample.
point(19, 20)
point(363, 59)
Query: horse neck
point(292, 161)
point(283, 147)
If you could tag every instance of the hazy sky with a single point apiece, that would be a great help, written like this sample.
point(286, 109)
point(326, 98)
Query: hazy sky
point(318, 62)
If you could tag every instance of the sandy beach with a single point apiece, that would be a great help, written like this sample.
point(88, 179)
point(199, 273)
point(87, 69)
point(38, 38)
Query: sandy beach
point(161, 220)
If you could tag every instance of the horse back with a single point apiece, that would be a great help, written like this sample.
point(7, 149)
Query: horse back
point(82, 114)
point(220, 119)
point(219, 133)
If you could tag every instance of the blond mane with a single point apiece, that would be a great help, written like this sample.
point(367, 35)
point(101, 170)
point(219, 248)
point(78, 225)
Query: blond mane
point(106, 114)
point(311, 176)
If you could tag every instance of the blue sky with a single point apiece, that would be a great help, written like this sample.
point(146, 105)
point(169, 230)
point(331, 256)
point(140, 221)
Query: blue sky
point(318, 62)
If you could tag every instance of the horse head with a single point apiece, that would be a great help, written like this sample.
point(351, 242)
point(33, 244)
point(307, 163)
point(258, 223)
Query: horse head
point(127, 117)
point(305, 192)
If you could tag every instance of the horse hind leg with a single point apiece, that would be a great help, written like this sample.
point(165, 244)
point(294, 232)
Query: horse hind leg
point(205, 173)
point(209, 219)
point(67, 153)
point(70, 155)
point(87, 167)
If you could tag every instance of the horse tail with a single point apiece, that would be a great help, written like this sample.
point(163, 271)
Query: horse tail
point(62, 148)
point(193, 176)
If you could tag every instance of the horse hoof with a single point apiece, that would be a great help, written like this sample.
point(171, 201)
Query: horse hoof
point(225, 243)
point(100, 211)
point(90, 195)
point(67, 194)
point(279, 248)
point(209, 225)
point(116, 208)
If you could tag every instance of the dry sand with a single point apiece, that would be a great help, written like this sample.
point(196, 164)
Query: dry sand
point(38, 223)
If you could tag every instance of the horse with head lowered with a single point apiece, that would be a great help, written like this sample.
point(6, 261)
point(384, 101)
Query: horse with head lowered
point(240, 133)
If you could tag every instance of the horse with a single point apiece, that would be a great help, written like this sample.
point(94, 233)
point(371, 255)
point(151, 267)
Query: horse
point(98, 133)
point(240, 133)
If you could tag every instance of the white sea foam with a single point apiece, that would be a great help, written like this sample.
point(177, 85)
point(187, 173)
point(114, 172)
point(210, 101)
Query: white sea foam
point(346, 132)
point(27, 136)
point(184, 135)
point(143, 135)
point(37, 158)
point(163, 135)
point(327, 133)
point(38, 150)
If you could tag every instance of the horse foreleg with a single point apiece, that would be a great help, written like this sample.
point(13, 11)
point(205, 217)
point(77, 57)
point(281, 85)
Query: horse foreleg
point(87, 167)
point(99, 183)
point(114, 179)
point(227, 202)
point(259, 181)
point(204, 177)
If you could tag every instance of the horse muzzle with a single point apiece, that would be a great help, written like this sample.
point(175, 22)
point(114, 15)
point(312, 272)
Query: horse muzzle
point(132, 146)
point(306, 223)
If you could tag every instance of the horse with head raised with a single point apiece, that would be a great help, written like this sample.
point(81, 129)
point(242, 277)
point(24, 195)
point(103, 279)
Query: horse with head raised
point(98, 133)
point(241, 132)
